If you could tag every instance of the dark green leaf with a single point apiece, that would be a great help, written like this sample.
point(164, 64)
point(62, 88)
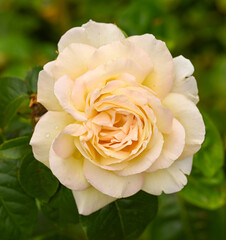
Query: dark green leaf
point(13, 93)
point(31, 79)
point(12, 109)
point(216, 180)
point(42, 183)
point(205, 192)
point(61, 208)
point(178, 220)
point(15, 149)
point(47, 229)
point(210, 158)
point(205, 186)
point(123, 219)
point(18, 212)
point(19, 127)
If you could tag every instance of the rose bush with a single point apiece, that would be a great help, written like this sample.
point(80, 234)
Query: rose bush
point(122, 116)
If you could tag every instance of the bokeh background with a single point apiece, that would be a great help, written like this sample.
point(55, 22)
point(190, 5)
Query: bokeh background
point(30, 30)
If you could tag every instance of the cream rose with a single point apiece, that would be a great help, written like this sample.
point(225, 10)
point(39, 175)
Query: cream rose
point(121, 118)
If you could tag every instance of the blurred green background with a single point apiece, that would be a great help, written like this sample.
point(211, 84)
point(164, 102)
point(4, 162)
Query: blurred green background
point(30, 30)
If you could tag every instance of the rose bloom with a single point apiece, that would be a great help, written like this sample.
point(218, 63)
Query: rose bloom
point(121, 118)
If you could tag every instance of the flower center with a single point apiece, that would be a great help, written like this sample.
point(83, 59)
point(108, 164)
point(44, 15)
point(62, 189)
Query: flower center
point(113, 134)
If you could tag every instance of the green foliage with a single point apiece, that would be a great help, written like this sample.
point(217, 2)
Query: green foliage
point(210, 158)
point(122, 219)
point(15, 148)
point(204, 192)
point(206, 184)
point(13, 93)
point(178, 220)
point(42, 184)
point(18, 211)
point(62, 208)
point(31, 79)
point(15, 115)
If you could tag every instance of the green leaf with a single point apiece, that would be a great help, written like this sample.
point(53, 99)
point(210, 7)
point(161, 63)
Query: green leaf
point(178, 220)
point(31, 79)
point(18, 212)
point(205, 192)
point(123, 219)
point(61, 208)
point(210, 157)
point(54, 232)
point(12, 109)
point(19, 127)
point(42, 183)
point(13, 93)
point(205, 186)
point(15, 148)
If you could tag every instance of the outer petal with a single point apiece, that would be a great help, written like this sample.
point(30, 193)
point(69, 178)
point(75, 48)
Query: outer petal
point(189, 116)
point(91, 33)
point(111, 184)
point(161, 78)
point(46, 83)
point(172, 148)
point(183, 82)
point(73, 61)
point(168, 180)
point(69, 171)
point(91, 200)
point(163, 115)
point(63, 90)
point(74, 35)
point(100, 34)
point(121, 49)
point(46, 130)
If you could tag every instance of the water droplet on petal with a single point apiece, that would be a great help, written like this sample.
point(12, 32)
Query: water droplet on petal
point(56, 127)
point(47, 135)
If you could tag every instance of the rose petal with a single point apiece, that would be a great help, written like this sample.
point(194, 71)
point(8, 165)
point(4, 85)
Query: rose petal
point(111, 184)
point(100, 34)
point(63, 145)
point(69, 171)
point(97, 78)
point(163, 115)
point(168, 180)
point(160, 79)
point(75, 129)
point(120, 101)
point(140, 96)
point(73, 61)
point(47, 128)
point(183, 83)
point(74, 35)
point(86, 88)
point(102, 119)
point(91, 200)
point(185, 165)
point(172, 148)
point(46, 94)
point(121, 49)
point(62, 90)
point(189, 116)
point(144, 160)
